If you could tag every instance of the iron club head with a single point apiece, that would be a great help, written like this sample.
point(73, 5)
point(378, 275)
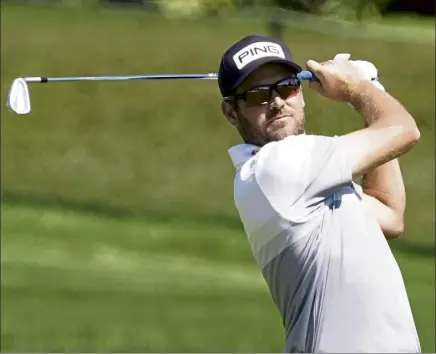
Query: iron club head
point(18, 97)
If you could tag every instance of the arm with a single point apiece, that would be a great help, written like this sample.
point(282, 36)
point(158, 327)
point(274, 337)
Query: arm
point(384, 193)
point(390, 132)
point(383, 185)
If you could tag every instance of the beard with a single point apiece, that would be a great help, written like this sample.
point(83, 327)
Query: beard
point(275, 131)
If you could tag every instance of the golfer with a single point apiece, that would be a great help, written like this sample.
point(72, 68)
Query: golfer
point(318, 237)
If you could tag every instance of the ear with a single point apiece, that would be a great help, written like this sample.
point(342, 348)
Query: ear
point(229, 112)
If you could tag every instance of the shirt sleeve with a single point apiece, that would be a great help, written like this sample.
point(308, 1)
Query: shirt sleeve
point(303, 168)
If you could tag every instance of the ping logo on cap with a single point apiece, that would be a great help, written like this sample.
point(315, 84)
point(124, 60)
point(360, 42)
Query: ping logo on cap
point(256, 51)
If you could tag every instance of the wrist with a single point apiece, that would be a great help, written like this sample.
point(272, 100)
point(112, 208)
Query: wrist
point(358, 93)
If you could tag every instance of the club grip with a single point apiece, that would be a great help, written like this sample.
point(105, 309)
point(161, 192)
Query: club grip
point(307, 76)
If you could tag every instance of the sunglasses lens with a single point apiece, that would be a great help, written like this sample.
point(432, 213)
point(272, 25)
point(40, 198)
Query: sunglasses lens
point(257, 96)
point(288, 88)
point(287, 91)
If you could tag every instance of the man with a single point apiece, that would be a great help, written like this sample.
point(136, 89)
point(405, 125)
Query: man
point(319, 238)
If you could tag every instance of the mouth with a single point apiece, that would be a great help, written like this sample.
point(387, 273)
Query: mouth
point(277, 118)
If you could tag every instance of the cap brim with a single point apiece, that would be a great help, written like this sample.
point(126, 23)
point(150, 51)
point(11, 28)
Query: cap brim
point(297, 68)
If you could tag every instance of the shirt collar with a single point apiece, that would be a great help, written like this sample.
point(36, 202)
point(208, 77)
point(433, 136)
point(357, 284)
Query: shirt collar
point(241, 153)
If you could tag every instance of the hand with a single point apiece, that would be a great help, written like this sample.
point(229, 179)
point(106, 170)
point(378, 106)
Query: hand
point(371, 72)
point(338, 78)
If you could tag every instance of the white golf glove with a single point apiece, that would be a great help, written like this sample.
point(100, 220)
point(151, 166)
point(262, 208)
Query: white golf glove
point(368, 68)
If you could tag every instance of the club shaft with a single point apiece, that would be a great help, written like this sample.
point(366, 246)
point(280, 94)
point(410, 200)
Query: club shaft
point(42, 79)
point(304, 75)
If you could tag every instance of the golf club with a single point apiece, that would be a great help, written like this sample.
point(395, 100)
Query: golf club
point(19, 98)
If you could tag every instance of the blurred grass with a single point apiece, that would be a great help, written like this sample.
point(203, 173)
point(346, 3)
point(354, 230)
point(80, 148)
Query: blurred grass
point(182, 279)
point(392, 28)
point(86, 283)
point(159, 146)
point(77, 282)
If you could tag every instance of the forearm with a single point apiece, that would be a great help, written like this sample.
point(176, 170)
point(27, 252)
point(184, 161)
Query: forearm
point(385, 183)
point(378, 108)
point(390, 131)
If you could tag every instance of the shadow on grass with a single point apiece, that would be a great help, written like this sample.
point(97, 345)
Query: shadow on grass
point(401, 245)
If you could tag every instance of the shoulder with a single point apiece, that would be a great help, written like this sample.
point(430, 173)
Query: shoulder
point(291, 153)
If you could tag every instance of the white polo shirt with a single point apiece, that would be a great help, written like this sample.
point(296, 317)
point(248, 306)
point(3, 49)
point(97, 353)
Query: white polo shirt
point(328, 266)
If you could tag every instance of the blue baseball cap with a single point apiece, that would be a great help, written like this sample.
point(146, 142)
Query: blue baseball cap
point(246, 56)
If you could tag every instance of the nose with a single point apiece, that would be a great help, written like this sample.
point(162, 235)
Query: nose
point(276, 102)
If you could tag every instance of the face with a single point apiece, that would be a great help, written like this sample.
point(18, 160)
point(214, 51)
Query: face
point(269, 121)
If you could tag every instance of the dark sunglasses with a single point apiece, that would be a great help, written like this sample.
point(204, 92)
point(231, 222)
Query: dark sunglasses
point(262, 94)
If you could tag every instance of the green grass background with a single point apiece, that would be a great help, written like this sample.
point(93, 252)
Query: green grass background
point(119, 231)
